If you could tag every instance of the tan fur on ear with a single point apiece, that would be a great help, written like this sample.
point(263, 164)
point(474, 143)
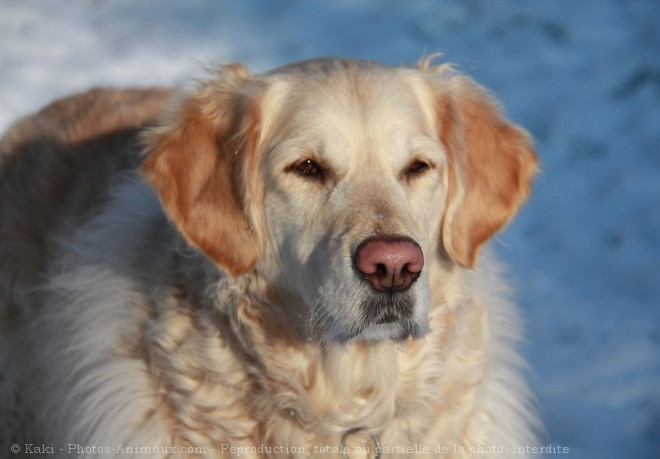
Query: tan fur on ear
point(491, 167)
point(198, 165)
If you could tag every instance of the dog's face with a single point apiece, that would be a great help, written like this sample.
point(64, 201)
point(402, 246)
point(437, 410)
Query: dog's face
point(355, 198)
point(342, 184)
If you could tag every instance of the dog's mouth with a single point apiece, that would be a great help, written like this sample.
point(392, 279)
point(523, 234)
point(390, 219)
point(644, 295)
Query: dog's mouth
point(384, 316)
point(388, 307)
point(376, 332)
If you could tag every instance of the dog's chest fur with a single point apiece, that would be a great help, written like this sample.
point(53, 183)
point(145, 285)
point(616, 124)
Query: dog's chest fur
point(229, 377)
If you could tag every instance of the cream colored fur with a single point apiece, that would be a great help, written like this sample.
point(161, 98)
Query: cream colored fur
point(136, 334)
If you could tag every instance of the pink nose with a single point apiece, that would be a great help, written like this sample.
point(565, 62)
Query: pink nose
point(390, 263)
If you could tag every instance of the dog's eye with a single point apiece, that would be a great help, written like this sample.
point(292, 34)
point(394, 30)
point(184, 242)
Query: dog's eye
point(415, 168)
point(307, 168)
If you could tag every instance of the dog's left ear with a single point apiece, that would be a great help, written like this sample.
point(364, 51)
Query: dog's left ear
point(491, 166)
point(199, 164)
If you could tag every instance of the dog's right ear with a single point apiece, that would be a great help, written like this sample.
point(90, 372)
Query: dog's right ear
point(198, 164)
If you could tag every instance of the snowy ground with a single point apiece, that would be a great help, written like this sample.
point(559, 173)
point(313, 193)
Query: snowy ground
point(583, 77)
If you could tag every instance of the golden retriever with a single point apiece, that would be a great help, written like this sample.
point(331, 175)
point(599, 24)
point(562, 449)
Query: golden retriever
point(274, 265)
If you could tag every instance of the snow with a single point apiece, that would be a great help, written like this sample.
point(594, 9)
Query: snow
point(583, 77)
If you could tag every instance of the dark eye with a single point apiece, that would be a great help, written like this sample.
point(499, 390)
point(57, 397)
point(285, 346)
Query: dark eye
point(416, 167)
point(307, 168)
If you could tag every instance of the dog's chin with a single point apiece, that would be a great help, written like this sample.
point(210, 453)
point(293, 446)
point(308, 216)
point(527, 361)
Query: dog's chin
point(391, 332)
point(378, 332)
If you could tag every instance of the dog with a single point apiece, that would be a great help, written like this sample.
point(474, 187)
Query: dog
point(276, 265)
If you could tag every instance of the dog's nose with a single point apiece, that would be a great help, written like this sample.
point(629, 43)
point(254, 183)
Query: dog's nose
point(390, 263)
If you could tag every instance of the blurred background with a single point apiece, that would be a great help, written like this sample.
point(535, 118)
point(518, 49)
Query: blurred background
point(583, 77)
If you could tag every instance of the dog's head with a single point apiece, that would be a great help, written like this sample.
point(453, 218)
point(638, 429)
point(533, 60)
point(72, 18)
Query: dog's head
point(341, 184)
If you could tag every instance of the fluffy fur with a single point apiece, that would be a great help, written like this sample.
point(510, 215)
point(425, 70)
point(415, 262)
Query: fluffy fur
point(211, 301)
